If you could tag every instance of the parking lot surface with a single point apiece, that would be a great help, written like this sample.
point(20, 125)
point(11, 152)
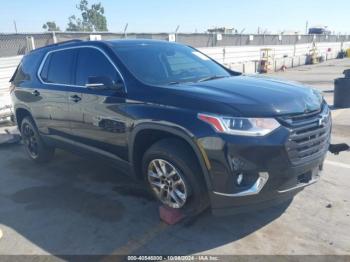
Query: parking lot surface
point(80, 205)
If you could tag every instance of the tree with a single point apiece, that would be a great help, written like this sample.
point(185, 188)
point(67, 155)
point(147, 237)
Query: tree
point(76, 24)
point(92, 19)
point(51, 26)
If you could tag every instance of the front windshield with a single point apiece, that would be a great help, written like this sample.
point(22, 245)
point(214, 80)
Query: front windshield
point(168, 64)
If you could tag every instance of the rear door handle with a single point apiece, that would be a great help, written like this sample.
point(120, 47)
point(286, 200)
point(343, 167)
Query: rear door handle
point(75, 98)
point(36, 93)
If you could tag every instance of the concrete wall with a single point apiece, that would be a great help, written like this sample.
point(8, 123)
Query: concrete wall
point(245, 58)
point(7, 67)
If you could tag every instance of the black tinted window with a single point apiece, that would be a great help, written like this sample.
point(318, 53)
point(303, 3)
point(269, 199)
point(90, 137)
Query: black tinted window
point(180, 62)
point(58, 67)
point(45, 70)
point(168, 63)
point(19, 75)
point(92, 63)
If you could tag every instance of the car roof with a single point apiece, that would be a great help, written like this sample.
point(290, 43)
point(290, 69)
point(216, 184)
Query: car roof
point(110, 43)
point(136, 42)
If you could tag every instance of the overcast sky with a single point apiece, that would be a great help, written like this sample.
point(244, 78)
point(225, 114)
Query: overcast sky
point(191, 15)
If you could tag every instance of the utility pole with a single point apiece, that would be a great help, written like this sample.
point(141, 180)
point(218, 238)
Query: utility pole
point(15, 24)
point(306, 27)
point(176, 30)
point(126, 28)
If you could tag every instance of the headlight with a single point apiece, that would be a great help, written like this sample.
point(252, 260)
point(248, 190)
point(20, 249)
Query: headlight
point(241, 126)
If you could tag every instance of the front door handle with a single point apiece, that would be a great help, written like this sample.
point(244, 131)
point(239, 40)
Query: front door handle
point(75, 98)
point(36, 93)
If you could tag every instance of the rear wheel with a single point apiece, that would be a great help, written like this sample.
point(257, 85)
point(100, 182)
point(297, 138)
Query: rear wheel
point(35, 147)
point(173, 175)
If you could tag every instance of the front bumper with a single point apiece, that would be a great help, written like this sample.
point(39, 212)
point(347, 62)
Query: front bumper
point(273, 178)
point(273, 193)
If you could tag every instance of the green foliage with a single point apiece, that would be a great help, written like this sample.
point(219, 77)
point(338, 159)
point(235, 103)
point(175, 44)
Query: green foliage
point(92, 18)
point(51, 26)
point(76, 24)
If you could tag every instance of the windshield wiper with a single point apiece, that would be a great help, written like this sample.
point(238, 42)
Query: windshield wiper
point(208, 78)
point(173, 83)
point(178, 83)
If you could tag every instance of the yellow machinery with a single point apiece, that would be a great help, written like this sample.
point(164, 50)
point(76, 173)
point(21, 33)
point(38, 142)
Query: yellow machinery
point(266, 60)
point(348, 52)
point(314, 59)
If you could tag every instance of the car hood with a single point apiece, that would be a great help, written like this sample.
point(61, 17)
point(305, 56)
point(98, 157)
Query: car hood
point(255, 95)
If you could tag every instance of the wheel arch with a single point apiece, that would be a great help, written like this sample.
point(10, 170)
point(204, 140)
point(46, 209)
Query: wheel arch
point(21, 113)
point(161, 131)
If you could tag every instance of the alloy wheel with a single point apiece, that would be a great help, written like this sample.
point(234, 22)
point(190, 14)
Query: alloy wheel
point(30, 140)
point(167, 182)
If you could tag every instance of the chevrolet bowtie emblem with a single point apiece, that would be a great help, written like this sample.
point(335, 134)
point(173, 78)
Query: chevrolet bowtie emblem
point(322, 120)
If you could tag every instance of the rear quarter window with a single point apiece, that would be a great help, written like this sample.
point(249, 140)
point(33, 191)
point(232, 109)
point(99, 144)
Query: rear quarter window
point(19, 76)
point(45, 70)
point(24, 70)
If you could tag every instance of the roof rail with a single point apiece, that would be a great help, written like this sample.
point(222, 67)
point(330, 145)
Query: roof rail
point(60, 43)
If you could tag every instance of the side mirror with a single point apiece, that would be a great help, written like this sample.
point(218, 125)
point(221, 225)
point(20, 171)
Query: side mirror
point(102, 83)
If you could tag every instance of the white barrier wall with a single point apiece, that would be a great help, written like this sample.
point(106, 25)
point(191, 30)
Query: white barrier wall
point(245, 58)
point(8, 66)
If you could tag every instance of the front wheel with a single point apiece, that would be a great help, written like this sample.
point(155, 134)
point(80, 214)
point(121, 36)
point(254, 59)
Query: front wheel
point(168, 183)
point(173, 174)
point(35, 147)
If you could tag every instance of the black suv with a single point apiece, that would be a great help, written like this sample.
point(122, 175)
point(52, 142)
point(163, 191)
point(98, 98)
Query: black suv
point(198, 133)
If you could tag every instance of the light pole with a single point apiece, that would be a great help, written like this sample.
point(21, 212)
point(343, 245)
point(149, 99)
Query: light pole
point(15, 24)
point(176, 30)
point(125, 28)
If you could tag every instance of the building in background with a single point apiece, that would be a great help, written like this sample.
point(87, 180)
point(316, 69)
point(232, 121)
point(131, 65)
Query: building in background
point(319, 30)
point(222, 30)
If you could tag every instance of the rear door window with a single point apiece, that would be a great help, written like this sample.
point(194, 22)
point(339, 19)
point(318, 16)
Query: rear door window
point(58, 67)
point(93, 63)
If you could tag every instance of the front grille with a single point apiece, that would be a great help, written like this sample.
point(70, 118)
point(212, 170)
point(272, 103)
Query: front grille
point(309, 135)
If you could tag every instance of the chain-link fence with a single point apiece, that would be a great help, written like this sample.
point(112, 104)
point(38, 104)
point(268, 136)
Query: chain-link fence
point(11, 45)
point(19, 44)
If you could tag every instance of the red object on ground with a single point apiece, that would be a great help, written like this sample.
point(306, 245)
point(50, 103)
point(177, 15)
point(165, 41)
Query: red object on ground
point(169, 215)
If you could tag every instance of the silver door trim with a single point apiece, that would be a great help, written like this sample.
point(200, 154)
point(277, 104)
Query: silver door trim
point(75, 47)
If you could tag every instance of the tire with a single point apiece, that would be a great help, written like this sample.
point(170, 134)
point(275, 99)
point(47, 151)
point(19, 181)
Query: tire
point(177, 157)
point(35, 147)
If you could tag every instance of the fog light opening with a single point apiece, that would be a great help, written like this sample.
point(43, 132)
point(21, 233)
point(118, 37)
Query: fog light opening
point(245, 179)
point(239, 179)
